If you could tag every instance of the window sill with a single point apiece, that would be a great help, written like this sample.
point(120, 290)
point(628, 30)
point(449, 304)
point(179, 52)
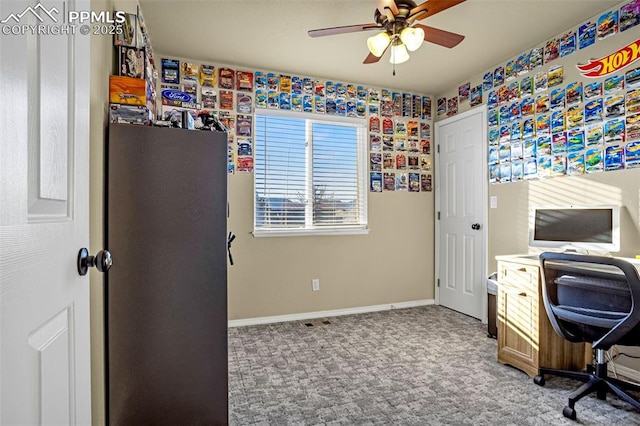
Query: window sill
point(310, 232)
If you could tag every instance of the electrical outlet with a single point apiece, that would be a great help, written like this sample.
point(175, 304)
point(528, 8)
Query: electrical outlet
point(315, 284)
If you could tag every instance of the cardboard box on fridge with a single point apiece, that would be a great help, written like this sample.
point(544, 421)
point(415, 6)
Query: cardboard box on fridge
point(127, 90)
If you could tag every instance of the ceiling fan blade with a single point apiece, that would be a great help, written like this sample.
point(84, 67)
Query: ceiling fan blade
point(342, 30)
point(387, 4)
point(440, 37)
point(432, 7)
point(371, 59)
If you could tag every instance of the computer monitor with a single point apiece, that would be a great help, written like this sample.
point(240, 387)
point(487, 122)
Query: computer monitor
point(594, 228)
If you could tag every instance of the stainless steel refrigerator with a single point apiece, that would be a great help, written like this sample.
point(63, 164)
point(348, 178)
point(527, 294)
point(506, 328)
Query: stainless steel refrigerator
point(166, 293)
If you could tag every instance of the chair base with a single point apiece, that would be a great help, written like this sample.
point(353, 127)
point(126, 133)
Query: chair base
point(596, 380)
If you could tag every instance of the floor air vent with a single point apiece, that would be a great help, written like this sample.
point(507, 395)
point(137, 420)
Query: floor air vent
point(316, 323)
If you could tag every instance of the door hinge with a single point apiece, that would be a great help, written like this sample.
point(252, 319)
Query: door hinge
point(438, 148)
point(438, 281)
point(438, 215)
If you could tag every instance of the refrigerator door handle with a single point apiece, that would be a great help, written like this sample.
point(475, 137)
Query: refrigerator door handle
point(230, 239)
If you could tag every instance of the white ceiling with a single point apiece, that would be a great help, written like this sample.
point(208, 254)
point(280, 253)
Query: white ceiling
point(271, 35)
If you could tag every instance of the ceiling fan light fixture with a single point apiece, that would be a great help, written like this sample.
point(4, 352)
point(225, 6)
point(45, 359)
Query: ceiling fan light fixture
point(399, 54)
point(412, 38)
point(378, 43)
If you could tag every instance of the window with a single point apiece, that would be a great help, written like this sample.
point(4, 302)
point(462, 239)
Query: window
point(310, 176)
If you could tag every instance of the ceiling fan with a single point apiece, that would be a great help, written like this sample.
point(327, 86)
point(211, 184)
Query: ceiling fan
point(400, 30)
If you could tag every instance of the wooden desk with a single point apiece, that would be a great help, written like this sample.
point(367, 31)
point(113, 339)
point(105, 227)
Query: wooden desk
point(526, 339)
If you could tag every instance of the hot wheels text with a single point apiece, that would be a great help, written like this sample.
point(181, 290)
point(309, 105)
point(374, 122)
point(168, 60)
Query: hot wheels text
point(612, 63)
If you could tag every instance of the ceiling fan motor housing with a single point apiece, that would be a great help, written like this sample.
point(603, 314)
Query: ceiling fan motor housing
point(394, 24)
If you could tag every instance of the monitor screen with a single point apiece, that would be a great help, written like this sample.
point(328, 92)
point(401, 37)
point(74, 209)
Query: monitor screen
point(589, 228)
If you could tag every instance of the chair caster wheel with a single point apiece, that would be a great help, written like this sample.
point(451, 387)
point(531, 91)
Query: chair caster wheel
point(539, 380)
point(569, 413)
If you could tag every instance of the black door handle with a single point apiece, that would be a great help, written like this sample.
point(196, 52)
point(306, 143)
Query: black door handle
point(102, 261)
point(230, 239)
point(475, 226)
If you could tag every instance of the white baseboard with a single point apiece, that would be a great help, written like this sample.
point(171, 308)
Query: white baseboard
point(626, 372)
point(331, 313)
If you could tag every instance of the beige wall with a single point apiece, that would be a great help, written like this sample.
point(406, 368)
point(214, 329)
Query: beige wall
point(272, 276)
point(508, 224)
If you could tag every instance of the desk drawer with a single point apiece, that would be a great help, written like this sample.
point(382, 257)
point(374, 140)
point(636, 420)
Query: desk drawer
point(518, 275)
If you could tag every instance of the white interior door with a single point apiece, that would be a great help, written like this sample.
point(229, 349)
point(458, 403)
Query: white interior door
point(44, 203)
point(461, 188)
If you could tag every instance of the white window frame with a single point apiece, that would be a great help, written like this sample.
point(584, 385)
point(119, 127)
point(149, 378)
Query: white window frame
point(362, 151)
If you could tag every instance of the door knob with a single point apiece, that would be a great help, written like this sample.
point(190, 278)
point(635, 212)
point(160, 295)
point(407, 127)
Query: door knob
point(102, 261)
point(475, 226)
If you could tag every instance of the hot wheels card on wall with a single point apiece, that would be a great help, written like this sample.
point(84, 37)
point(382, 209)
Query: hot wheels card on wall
point(633, 126)
point(476, 96)
point(594, 135)
point(528, 128)
point(351, 108)
point(414, 182)
point(575, 163)
point(296, 102)
point(375, 161)
point(498, 77)
point(494, 173)
point(209, 97)
point(285, 101)
point(510, 71)
point(375, 142)
point(607, 24)
point(593, 160)
point(574, 93)
point(523, 64)
point(273, 82)
point(425, 147)
point(559, 143)
point(514, 91)
point(402, 181)
point(632, 78)
point(613, 84)
point(389, 181)
point(614, 158)
point(614, 106)
point(319, 104)
point(307, 103)
point(556, 75)
point(557, 122)
point(226, 99)
point(442, 106)
point(633, 101)
point(629, 15)
point(426, 108)
point(543, 166)
point(540, 82)
point(529, 148)
point(425, 182)
point(388, 143)
point(517, 170)
point(487, 81)
point(244, 103)
point(330, 89)
point(307, 86)
point(416, 108)
point(296, 85)
point(244, 81)
point(226, 78)
point(492, 99)
point(170, 71)
point(551, 50)
point(527, 107)
point(614, 131)
point(586, 35)
point(543, 145)
point(526, 87)
point(632, 154)
point(542, 104)
point(536, 57)
point(575, 140)
point(341, 91)
point(261, 98)
point(567, 43)
point(463, 91)
point(542, 124)
point(493, 136)
point(452, 106)
point(530, 168)
point(207, 75)
point(505, 172)
point(593, 90)
point(260, 80)
point(556, 99)
point(575, 116)
point(375, 182)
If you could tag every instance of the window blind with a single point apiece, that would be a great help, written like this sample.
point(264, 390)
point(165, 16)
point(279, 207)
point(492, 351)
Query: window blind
point(309, 175)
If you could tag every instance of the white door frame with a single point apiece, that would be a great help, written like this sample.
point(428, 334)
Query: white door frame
point(485, 196)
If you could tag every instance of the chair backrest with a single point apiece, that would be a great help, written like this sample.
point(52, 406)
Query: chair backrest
point(591, 298)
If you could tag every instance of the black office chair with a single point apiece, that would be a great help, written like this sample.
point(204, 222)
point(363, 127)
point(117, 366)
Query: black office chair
point(592, 299)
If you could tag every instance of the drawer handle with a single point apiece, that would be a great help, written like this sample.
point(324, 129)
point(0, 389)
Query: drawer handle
point(522, 269)
point(522, 293)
